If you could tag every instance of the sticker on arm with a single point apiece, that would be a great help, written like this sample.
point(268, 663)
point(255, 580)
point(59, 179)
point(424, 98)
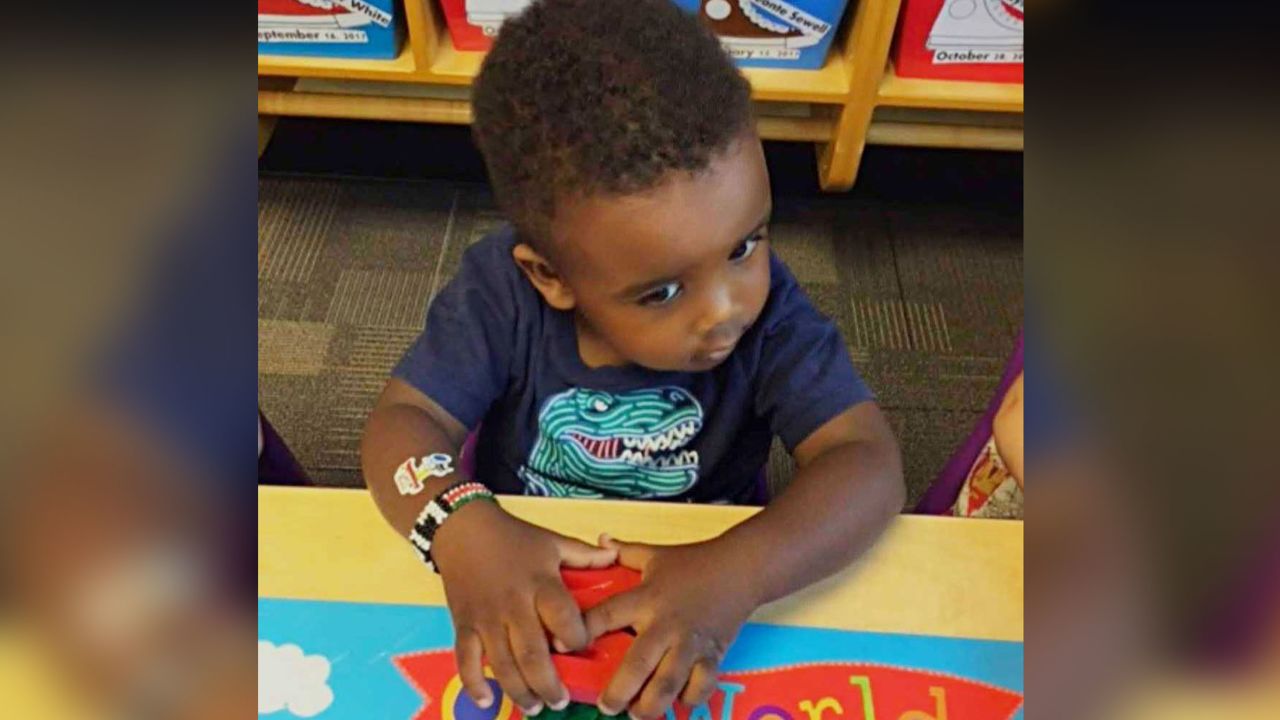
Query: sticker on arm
point(412, 472)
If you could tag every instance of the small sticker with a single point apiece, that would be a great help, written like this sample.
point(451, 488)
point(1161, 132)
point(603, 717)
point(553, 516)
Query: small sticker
point(411, 473)
point(436, 465)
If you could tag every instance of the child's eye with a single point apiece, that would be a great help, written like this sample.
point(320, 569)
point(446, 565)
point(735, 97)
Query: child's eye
point(743, 251)
point(661, 295)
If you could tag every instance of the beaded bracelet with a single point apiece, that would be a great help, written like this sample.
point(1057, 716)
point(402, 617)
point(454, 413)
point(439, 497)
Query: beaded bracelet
point(452, 499)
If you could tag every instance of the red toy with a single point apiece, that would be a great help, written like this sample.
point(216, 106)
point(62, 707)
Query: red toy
point(587, 673)
point(867, 690)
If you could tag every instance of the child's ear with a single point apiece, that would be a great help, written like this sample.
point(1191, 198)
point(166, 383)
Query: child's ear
point(544, 277)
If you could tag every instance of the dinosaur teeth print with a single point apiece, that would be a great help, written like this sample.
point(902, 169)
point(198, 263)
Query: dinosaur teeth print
point(627, 444)
point(676, 437)
point(687, 458)
point(638, 449)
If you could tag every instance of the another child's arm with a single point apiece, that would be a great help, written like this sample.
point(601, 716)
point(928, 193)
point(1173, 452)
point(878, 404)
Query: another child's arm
point(1007, 429)
point(501, 574)
point(694, 599)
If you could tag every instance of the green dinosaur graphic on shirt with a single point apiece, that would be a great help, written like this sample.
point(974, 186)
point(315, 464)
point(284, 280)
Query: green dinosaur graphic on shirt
point(630, 444)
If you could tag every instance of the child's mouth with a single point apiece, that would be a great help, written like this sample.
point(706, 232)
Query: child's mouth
point(714, 355)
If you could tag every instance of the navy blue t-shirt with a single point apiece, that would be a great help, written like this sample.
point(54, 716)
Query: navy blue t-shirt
point(494, 352)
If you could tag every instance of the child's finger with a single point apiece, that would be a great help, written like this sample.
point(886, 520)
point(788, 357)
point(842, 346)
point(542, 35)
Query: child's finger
point(615, 613)
point(637, 665)
point(469, 654)
point(561, 616)
point(533, 658)
point(498, 650)
point(577, 554)
point(702, 683)
point(633, 555)
point(667, 681)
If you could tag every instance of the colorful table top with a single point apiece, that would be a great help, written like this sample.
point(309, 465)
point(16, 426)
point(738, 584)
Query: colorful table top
point(928, 624)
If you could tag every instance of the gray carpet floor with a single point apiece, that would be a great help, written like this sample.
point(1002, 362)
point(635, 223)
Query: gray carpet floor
point(928, 296)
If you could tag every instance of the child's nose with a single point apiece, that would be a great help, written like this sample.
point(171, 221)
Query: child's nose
point(717, 311)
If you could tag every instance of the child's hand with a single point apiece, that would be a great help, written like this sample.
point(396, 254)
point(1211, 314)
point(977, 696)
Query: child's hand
point(690, 607)
point(502, 580)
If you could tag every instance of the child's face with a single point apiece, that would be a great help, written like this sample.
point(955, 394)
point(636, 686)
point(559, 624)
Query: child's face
point(671, 278)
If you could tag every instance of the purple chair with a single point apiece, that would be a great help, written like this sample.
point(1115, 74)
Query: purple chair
point(467, 460)
point(277, 464)
point(942, 494)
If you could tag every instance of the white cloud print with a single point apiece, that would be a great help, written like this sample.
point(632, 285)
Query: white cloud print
point(291, 680)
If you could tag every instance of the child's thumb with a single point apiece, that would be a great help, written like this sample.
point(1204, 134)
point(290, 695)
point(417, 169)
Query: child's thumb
point(577, 554)
point(633, 555)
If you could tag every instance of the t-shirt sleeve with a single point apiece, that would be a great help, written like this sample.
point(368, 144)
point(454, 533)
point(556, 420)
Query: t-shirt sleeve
point(805, 376)
point(462, 358)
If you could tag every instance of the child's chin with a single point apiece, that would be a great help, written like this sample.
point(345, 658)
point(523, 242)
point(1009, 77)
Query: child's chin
point(705, 364)
point(686, 365)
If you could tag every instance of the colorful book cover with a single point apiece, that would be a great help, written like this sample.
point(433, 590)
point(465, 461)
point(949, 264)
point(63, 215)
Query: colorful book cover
point(362, 660)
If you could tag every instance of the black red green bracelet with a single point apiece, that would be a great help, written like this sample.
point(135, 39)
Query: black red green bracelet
point(452, 499)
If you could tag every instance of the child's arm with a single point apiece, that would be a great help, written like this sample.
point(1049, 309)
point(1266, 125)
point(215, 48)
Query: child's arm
point(406, 424)
point(847, 488)
point(1007, 429)
point(501, 575)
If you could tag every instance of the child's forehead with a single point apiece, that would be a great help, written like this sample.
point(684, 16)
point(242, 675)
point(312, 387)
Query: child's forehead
point(680, 222)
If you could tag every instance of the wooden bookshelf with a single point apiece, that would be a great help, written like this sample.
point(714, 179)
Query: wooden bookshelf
point(842, 95)
point(949, 94)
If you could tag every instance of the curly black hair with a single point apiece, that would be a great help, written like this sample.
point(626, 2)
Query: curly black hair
point(586, 97)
